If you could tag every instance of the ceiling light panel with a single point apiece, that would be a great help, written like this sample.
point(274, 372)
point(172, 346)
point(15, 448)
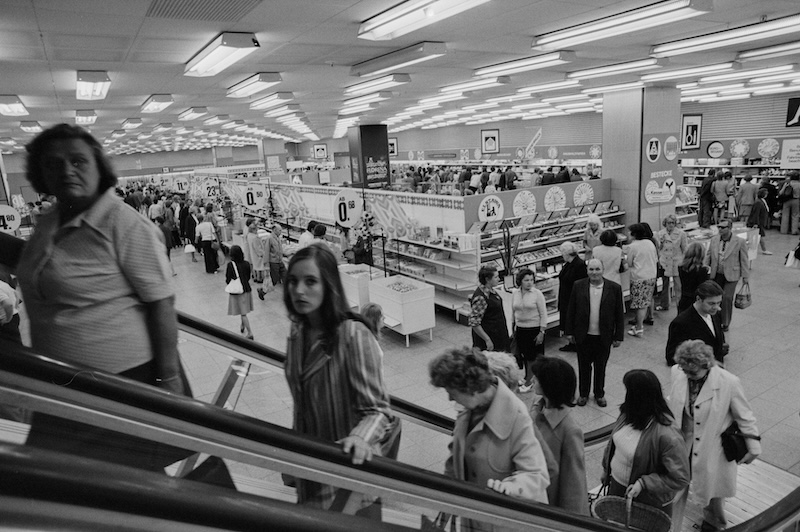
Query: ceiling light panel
point(30, 126)
point(92, 85)
point(753, 32)
point(276, 98)
point(375, 85)
point(368, 98)
point(770, 52)
point(385, 64)
point(410, 16)
point(525, 65)
point(214, 120)
point(623, 23)
point(193, 113)
point(547, 87)
point(478, 84)
point(254, 84)
point(613, 88)
point(157, 103)
point(11, 105)
point(691, 72)
point(619, 68)
point(132, 123)
point(282, 110)
point(85, 117)
point(743, 74)
point(222, 52)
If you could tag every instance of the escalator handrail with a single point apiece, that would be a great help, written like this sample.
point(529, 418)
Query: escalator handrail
point(42, 475)
point(274, 357)
point(23, 361)
point(117, 390)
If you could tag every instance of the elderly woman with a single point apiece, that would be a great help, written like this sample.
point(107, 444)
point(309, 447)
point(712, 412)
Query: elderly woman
point(642, 259)
point(573, 270)
point(488, 319)
point(672, 243)
point(591, 236)
point(705, 399)
point(610, 255)
point(98, 291)
point(494, 445)
point(645, 458)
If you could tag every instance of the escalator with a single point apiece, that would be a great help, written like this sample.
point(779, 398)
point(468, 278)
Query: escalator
point(71, 494)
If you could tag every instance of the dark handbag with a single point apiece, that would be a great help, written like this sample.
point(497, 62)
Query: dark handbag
point(733, 443)
point(215, 245)
point(743, 299)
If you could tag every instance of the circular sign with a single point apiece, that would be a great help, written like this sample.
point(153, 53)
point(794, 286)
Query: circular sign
point(715, 149)
point(552, 152)
point(740, 148)
point(554, 199)
point(583, 195)
point(671, 148)
point(768, 148)
point(653, 149)
point(410, 155)
point(347, 208)
point(477, 154)
point(180, 185)
point(9, 219)
point(254, 196)
point(210, 187)
point(596, 151)
point(520, 153)
point(490, 209)
point(524, 203)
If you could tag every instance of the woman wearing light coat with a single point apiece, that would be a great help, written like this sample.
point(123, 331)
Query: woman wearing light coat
point(719, 401)
point(672, 244)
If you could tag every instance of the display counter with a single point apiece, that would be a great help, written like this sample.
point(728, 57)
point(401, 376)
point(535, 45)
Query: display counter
point(407, 304)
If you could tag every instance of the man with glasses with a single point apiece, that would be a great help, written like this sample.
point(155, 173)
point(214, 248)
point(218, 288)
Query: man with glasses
point(728, 262)
point(701, 321)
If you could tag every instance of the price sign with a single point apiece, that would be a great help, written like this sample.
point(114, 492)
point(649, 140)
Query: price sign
point(254, 196)
point(210, 188)
point(180, 185)
point(9, 219)
point(347, 208)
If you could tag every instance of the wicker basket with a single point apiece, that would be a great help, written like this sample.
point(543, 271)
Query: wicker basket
point(637, 516)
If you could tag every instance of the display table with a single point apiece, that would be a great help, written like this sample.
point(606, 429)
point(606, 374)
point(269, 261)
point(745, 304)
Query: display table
point(408, 311)
point(355, 280)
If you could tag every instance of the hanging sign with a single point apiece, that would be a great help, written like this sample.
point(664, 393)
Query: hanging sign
point(180, 185)
point(530, 152)
point(9, 219)
point(347, 207)
point(254, 195)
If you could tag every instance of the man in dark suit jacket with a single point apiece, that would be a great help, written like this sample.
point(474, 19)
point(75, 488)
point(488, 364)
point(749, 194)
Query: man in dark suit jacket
point(595, 320)
point(701, 321)
point(574, 269)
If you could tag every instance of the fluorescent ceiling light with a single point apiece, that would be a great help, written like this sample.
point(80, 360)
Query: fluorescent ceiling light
point(186, 130)
point(410, 16)
point(193, 113)
point(689, 72)
point(626, 22)
point(554, 86)
point(742, 74)
point(242, 127)
point(475, 107)
point(568, 98)
point(769, 52)
point(526, 106)
point(689, 85)
point(613, 88)
point(525, 65)
point(254, 84)
point(160, 128)
point(712, 99)
point(753, 32)
point(378, 84)
point(282, 110)
point(576, 105)
point(117, 133)
point(581, 110)
point(509, 98)
point(788, 76)
point(761, 92)
point(30, 127)
point(222, 52)
point(477, 84)
point(312, 136)
point(449, 97)
point(276, 98)
point(423, 51)
point(11, 105)
point(368, 98)
point(85, 117)
point(711, 90)
point(232, 124)
point(619, 68)
point(157, 103)
point(356, 109)
point(132, 123)
point(742, 90)
point(92, 85)
point(422, 107)
point(214, 120)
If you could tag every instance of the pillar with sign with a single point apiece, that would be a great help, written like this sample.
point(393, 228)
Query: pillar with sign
point(369, 155)
point(273, 154)
point(641, 149)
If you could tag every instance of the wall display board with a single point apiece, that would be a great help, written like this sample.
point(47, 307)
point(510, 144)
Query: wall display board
point(791, 154)
point(691, 131)
point(659, 168)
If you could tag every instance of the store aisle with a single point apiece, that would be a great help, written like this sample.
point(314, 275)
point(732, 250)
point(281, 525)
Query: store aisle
point(763, 341)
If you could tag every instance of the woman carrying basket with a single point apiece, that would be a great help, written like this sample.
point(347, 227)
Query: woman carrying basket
point(646, 458)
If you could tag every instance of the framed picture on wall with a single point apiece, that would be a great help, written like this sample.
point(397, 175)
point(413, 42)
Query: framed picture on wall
point(320, 151)
point(691, 126)
point(393, 147)
point(490, 140)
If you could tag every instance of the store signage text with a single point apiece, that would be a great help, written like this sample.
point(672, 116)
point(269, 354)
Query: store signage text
point(663, 173)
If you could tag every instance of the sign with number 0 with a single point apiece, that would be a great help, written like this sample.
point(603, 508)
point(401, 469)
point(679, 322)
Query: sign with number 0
point(347, 207)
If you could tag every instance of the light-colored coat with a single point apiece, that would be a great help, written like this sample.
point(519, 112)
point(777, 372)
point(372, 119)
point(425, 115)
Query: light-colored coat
point(735, 261)
point(720, 402)
point(671, 247)
point(501, 446)
point(257, 251)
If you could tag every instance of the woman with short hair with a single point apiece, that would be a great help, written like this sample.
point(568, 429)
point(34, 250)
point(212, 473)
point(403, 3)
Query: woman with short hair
point(591, 236)
point(672, 243)
point(610, 255)
point(529, 323)
point(692, 272)
point(488, 319)
point(642, 258)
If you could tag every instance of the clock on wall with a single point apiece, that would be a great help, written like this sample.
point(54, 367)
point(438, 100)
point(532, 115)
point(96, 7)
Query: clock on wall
point(555, 199)
point(584, 194)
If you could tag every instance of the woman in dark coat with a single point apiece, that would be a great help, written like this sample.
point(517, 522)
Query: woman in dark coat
point(692, 272)
point(240, 304)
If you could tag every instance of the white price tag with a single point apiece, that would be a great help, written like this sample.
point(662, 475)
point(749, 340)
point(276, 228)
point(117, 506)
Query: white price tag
point(347, 207)
point(9, 219)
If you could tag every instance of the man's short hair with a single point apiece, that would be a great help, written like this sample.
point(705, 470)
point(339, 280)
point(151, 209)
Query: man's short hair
point(708, 289)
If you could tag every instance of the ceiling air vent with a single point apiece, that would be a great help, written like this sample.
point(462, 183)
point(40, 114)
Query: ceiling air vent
point(208, 10)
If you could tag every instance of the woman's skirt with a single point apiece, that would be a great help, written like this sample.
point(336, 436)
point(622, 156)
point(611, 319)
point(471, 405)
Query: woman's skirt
point(240, 304)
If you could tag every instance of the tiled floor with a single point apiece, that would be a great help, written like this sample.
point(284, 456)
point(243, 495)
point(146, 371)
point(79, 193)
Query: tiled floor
point(763, 339)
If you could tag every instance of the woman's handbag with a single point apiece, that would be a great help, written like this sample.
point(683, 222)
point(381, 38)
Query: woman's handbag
point(743, 298)
point(189, 248)
point(733, 443)
point(215, 245)
point(235, 286)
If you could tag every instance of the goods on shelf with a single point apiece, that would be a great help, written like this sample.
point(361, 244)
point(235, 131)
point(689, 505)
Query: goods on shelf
point(400, 286)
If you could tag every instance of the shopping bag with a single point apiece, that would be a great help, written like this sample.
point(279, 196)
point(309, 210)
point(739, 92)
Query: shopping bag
point(791, 261)
point(189, 248)
point(743, 299)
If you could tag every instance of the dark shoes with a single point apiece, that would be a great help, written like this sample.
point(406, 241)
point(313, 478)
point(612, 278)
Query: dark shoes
point(601, 402)
point(261, 294)
point(569, 348)
point(582, 401)
point(646, 322)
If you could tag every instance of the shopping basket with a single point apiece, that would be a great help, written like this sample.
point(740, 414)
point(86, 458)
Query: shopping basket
point(631, 514)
